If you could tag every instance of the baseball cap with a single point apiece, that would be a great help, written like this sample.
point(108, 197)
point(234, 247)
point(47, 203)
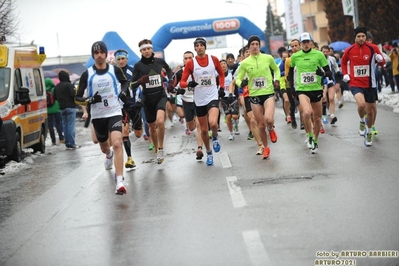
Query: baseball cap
point(305, 37)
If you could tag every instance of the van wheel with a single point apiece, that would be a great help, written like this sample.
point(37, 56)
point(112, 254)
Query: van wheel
point(17, 151)
point(41, 146)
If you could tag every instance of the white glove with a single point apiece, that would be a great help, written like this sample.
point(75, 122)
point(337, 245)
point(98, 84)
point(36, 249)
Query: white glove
point(346, 78)
point(378, 58)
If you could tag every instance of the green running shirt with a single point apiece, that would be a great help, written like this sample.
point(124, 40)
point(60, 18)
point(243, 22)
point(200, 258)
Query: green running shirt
point(305, 68)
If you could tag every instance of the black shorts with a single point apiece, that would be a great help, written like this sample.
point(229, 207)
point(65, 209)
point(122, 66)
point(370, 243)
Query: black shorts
point(102, 126)
point(314, 96)
point(152, 102)
point(247, 103)
point(229, 108)
point(260, 100)
point(134, 114)
point(203, 110)
point(189, 111)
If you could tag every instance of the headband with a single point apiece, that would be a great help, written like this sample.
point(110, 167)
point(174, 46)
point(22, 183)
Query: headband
point(148, 45)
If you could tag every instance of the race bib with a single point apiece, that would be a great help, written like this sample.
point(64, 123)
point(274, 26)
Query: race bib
point(205, 81)
point(308, 78)
point(155, 81)
point(361, 71)
point(259, 83)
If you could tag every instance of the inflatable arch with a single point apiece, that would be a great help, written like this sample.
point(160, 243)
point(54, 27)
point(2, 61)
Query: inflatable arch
point(205, 28)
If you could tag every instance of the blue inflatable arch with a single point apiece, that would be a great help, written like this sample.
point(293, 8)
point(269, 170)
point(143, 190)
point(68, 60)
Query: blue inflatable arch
point(205, 28)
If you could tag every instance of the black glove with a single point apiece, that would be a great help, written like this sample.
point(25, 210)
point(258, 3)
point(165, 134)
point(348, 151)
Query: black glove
point(95, 99)
point(277, 85)
point(221, 92)
point(171, 88)
point(231, 98)
point(329, 75)
point(319, 72)
point(143, 79)
point(192, 84)
point(180, 91)
point(244, 83)
point(124, 96)
point(138, 104)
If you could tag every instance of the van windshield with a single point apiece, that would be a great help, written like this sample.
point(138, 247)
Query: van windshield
point(4, 83)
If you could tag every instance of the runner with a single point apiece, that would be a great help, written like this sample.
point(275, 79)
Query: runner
point(203, 69)
point(358, 67)
point(261, 88)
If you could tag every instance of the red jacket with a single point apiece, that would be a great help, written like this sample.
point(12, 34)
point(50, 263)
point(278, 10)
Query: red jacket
point(358, 61)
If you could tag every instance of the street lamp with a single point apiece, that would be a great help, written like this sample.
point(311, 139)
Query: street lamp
point(239, 3)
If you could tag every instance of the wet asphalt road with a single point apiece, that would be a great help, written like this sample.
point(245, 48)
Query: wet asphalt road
point(241, 211)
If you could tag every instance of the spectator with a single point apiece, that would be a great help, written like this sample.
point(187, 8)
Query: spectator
point(54, 115)
point(394, 56)
point(65, 94)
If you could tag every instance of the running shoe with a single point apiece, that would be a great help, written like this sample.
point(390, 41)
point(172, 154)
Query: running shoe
point(120, 188)
point(151, 146)
point(235, 128)
point(324, 119)
point(310, 144)
point(293, 124)
point(340, 105)
point(266, 153)
point(322, 130)
point(288, 119)
point(209, 158)
point(231, 137)
point(188, 132)
point(334, 120)
point(368, 139)
point(273, 135)
point(374, 130)
point(109, 159)
point(260, 150)
point(250, 136)
point(181, 120)
point(210, 134)
point(302, 126)
point(54, 144)
point(199, 154)
point(314, 149)
point(362, 128)
point(160, 157)
point(145, 137)
point(130, 163)
point(216, 145)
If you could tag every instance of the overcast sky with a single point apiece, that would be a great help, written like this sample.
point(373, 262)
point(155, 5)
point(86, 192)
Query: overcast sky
point(69, 28)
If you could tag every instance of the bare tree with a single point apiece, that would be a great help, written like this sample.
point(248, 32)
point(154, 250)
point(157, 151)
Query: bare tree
point(8, 22)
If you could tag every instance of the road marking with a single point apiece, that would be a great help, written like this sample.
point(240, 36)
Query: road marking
point(255, 248)
point(235, 192)
point(224, 157)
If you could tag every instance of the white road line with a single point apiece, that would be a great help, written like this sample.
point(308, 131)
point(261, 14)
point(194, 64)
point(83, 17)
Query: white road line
point(255, 248)
point(224, 157)
point(235, 192)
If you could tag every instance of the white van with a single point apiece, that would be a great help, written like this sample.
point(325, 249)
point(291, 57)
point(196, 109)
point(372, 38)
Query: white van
point(23, 106)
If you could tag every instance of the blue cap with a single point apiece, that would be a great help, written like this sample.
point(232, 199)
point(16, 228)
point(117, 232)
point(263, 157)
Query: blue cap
point(120, 53)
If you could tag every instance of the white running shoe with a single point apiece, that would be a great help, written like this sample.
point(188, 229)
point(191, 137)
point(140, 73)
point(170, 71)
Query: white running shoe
point(231, 137)
point(109, 161)
point(160, 157)
point(120, 188)
point(260, 150)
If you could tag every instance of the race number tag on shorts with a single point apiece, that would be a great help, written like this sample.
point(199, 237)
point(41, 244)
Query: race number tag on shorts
point(155, 81)
point(361, 71)
point(259, 83)
point(308, 78)
point(205, 81)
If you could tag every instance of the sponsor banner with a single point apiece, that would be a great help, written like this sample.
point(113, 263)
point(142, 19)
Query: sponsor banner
point(293, 18)
point(348, 7)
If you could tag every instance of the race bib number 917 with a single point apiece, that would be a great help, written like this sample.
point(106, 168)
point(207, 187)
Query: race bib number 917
point(308, 78)
point(361, 71)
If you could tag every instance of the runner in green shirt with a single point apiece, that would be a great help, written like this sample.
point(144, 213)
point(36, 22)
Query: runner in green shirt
point(310, 66)
point(258, 67)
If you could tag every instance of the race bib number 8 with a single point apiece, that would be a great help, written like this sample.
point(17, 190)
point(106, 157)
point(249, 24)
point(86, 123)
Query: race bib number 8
point(362, 71)
point(155, 81)
point(308, 78)
point(259, 83)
